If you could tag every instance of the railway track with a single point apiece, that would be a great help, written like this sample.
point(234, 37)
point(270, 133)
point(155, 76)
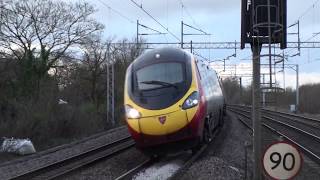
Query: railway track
point(62, 167)
point(188, 163)
point(61, 147)
point(178, 174)
point(150, 162)
point(298, 120)
point(299, 130)
point(129, 174)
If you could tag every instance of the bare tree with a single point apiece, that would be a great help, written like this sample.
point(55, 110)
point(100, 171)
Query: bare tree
point(125, 52)
point(231, 89)
point(96, 56)
point(44, 30)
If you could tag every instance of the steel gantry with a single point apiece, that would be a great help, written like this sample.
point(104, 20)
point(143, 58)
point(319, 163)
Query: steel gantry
point(222, 45)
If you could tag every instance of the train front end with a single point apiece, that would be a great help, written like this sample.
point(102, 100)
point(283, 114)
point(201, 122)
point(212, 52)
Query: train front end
point(163, 101)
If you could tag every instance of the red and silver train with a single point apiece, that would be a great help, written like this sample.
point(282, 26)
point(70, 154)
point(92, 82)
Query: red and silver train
point(172, 101)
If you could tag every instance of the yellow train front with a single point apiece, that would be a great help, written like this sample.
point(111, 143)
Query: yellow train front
point(172, 102)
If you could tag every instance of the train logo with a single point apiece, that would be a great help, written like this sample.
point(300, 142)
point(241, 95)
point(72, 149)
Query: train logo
point(162, 119)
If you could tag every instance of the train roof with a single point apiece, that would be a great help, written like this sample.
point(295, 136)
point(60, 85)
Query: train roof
point(162, 55)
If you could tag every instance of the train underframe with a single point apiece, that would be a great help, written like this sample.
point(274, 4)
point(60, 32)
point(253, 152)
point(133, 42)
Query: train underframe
point(184, 139)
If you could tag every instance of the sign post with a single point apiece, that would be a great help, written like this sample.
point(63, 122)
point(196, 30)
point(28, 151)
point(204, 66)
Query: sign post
point(262, 22)
point(256, 116)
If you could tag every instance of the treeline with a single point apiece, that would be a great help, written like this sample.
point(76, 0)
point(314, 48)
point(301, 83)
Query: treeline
point(308, 96)
point(53, 71)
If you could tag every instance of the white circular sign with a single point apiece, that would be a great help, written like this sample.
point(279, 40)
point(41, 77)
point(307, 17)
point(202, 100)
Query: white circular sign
point(282, 161)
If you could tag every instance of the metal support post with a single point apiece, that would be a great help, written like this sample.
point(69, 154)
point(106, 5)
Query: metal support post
point(269, 37)
point(297, 88)
point(284, 75)
point(181, 34)
point(263, 93)
point(240, 89)
point(112, 98)
point(110, 90)
point(256, 116)
point(299, 49)
point(108, 87)
point(137, 32)
point(275, 83)
point(263, 99)
point(235, 48)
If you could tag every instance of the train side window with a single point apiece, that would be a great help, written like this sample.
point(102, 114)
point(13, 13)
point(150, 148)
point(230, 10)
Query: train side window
point(198, 70)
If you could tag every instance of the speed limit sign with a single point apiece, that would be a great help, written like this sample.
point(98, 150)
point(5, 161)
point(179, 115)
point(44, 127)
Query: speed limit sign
point(282, 160)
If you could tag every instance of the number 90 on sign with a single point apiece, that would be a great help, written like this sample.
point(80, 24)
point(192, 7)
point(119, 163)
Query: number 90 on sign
point(282, 161)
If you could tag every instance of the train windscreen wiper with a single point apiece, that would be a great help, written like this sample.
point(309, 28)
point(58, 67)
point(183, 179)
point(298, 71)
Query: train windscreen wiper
point(162, 83)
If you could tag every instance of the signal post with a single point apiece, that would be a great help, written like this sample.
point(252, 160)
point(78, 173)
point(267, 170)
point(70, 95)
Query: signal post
point(262, 22)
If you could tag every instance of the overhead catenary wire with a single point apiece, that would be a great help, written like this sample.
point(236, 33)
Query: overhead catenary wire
point(195, 27)
point(313, 36)
point(117, 12)
point(206, 60)
point(167, 19)
point(190, 16)
point(145, 11)
point(146, 27)
point(204, 33)
point(308, 39)
point(308, 9)
point(297, 22)
point(304, 13)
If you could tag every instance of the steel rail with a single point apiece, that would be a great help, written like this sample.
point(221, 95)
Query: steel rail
point(313, 136)
point(283, 113)
point(194, 157)
point(60, 147)
point(275, 113)
point(305, 149)
point(188, 163)
point(130, 174)
point(64, 166)
point(308, 152)
point(293, 115)
point(300, 121)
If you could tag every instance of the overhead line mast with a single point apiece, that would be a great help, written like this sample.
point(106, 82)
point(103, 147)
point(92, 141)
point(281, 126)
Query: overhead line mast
point(192, 19)
point(145, 11)
point(156, 32)
point(190, 34)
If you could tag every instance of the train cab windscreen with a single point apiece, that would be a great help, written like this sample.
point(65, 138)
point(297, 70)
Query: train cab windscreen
point(162, 75)
point(159, 85)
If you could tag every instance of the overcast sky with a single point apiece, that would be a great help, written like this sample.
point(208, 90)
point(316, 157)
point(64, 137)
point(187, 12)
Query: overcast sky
point(221, 18)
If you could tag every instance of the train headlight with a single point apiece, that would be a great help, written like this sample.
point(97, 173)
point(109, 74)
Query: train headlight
point(132, 113)
point(191, 101)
